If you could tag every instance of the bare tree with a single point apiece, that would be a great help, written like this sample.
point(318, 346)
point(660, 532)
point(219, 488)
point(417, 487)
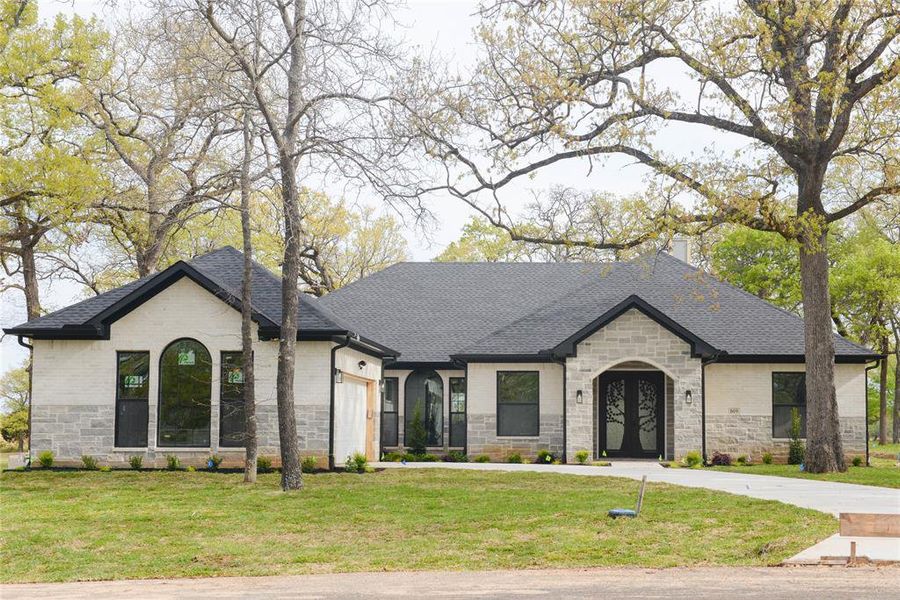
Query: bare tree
point(806, 91)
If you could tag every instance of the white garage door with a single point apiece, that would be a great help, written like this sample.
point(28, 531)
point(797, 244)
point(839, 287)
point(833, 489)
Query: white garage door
point(349, 420)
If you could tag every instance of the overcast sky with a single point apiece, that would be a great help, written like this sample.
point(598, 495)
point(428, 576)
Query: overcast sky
point(444, 26)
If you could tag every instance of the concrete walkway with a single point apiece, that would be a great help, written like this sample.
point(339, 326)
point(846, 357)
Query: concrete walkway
point(825, 496)
point(673, 584)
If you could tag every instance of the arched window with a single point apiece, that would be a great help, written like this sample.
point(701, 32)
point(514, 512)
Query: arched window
point(185, 388)
point(424, 398)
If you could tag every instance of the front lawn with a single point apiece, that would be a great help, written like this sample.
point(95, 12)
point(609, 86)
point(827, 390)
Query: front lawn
point(882, 473)
point(890, 451)
point(71, 526)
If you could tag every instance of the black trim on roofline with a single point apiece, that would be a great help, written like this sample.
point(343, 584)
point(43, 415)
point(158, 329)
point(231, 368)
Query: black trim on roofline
point(434, 366)
point(699, 348)
point(542, 357)
point(793, 358)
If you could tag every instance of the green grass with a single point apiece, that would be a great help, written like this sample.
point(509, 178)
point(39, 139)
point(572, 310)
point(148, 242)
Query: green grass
point(59, 526)
point(882, 473)
point(886, 451)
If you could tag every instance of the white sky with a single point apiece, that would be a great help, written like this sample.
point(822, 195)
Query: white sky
point(446, 27)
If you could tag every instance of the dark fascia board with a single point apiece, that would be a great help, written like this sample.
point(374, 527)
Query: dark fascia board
point(504, 358)
point(363, 344)
point(398, 365)
point(794, 358)
point(66, 332)
point(699, 348)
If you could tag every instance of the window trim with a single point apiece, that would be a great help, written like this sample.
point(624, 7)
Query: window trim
point(159, 390)
point(772, 402)
point(395, 412)
point(451, 412)
point(116, 404)
point(222, 354)
point(537, 433)
point(406, 415)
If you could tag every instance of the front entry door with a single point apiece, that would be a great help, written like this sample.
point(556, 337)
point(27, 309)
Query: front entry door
point(631, 412)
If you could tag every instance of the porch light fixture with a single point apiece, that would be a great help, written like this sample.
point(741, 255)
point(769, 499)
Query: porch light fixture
point(361, 364)
point(338, 376)
point(687, 397)
point(579, 397)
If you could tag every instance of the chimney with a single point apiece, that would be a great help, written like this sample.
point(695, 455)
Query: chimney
point(681, 249)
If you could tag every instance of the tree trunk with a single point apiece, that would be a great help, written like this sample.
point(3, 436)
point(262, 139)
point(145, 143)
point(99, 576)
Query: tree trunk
point(824, 450)
point(250, 436)
point(30, 278)
point(895, 326)
point(882, 396)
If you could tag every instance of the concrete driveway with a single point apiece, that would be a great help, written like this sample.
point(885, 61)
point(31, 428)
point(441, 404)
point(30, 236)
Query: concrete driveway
point(824, 496)
point(674, 584)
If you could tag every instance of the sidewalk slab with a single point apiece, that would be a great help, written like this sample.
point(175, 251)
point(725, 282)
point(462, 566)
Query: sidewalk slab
point(882, 549)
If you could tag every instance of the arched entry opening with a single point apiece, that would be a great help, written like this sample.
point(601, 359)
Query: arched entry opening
point(631, 411)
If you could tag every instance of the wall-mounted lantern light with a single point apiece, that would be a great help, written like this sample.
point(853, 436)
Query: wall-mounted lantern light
point(687, 397)
point(361, 364)
point(579, 397)
point(338, 376)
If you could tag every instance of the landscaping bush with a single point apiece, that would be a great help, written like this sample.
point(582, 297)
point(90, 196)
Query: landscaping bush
point(515, 458)
point(46, 459)
point(136, 462)
point(742, 459)
point(582, 456)
point(767, 458)
point(417, 439)
point(720, 459)
point(89, 463)
point(263, 464)
point(857, 461)
point(309, 463)
point(796, 448)
point(105, 469)
point(456, 456)
point(482, 458)
point(693, 459)
point(356, 463)
point(172, 462)
point(213, 463)
point(392, 456)
point(544, 457)
point(191, 469)
point(425, 457)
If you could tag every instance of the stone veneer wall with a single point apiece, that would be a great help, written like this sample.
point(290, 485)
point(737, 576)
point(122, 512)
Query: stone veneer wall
point(482, 432)
point(634, 337)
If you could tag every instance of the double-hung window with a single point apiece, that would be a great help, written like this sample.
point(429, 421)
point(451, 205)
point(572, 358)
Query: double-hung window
point(518, 399)
point(132, 394)
point(788, 395)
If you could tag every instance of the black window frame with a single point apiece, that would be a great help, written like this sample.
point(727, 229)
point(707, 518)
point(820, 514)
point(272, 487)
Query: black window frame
point(465, 400)
point(222, 400)
point(537, 403)
point(438, 441)
point(801, 407)
point(159, 399)
point(395, 412)
point(119, 399)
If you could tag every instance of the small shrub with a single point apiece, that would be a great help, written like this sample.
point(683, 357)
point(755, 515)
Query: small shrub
point(392, 457)
point(356, 463)
point(46, 459)
point(213, 462)
point(767, 458)
point(482, 458)
point(693, 459)
point(309, 464)
point(422, 458)
point(105, 469)
point(418, 437)
point(721, 459)
point(515, 458)
point(191, 469)
point(456, 456)
point(796, 448)
point(263, 464)
point(544, 457)
point(582, 456)
point(172, 462)
point(742, 459)
point(136, 462)
point(857, 461)
point(89, 462)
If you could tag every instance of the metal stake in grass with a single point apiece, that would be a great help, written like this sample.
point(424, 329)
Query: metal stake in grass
point(615, 513)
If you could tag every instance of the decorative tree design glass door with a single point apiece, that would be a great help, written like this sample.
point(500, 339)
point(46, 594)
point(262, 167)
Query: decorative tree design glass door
point(631, 412)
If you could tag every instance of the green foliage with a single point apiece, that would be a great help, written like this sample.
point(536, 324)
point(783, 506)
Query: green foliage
point(191, 469)
point(172, 462)
point(857, 461)
point(356, 463)
point(693, 459)
point(89, 463)
point(46, 459)
point(213, 462)
point(14, 426)
point(582, 456)
point(424, 457)
point(515, 457)
point(393, 456)
point(417, 438)
point(796, 447)
point(309, 464)
point(456, 456)
point(767, 458)
point(720, 459)
point(14, 390)
point(742, 459)
point(106, 469)
point(263, 464)
point(544, 457)
point(482, 458)
point(136, 462)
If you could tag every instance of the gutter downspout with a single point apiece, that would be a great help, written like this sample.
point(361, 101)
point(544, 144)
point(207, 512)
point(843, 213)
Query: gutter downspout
point(347, 337)
point(866, 403)
point(30, 349)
